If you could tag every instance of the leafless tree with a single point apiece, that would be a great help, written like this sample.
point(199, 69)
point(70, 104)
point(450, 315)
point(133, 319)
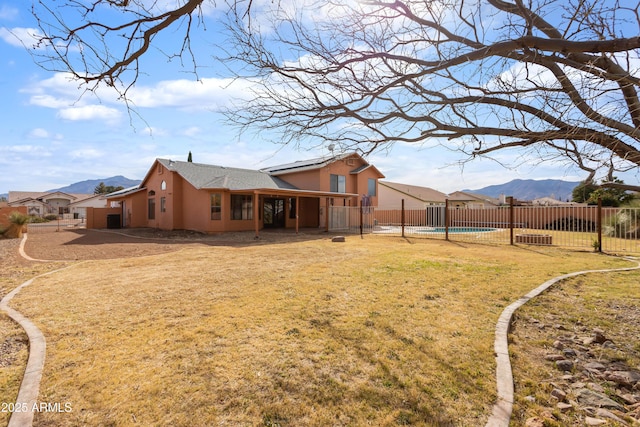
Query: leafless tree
point(554, 80)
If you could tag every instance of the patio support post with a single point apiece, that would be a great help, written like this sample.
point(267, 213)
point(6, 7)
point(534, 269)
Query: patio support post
point(256, 211)
point(326, 214)
point(600, 224)
point(297, 214)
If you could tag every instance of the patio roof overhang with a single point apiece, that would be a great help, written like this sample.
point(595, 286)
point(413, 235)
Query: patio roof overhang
point(293, 193)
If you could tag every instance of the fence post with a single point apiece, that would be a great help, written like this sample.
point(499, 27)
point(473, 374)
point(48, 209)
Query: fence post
point(600, 224)
point(402, 217)
point(511, 219)
point(326, 215)
point(446, 219)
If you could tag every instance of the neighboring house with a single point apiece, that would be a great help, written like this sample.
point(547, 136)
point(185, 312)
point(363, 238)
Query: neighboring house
point(49, 203)
point(177, 195)
point(391, 194)
point(79, 208)
point(461, 199)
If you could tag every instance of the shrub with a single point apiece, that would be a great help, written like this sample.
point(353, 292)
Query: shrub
point(17, 224)
point(18, 218)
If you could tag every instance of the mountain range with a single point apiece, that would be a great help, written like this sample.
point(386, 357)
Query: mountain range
point(530, 189)
point(88, 186)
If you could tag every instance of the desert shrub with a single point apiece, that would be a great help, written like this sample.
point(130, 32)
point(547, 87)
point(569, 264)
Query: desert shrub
point(16, 227)
point(18, 218)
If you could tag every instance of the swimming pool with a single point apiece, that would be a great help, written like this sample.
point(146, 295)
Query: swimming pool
point(455, 230)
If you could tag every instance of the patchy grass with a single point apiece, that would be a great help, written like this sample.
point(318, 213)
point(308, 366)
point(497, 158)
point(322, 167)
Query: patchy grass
point(374, 331)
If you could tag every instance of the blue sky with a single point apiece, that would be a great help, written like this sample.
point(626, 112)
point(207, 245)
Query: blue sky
point(53, 134)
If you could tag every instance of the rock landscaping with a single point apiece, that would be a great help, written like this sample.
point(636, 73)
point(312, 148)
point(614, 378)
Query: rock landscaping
point(593, 384)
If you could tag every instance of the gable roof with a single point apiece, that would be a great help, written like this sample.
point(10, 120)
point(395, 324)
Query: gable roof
point(203, 176)
point(424, 194)
point(24, 196)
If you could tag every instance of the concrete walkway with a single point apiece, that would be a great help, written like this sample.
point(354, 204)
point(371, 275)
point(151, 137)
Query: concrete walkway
point(30, 386)
point(503, 407)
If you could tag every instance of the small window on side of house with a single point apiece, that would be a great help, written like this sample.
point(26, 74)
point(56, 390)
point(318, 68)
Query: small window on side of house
point(163, 204)
point(338, 183)
point(371, 187)
point(216, 206)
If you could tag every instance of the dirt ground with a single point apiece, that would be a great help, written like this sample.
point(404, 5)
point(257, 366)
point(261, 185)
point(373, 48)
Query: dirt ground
point(82, 244)
point(51, 250)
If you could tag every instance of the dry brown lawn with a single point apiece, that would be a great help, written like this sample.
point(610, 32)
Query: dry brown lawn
point(375, 331)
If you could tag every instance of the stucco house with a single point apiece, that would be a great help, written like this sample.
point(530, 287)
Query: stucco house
point(177, 195)
point(54, 202)
point(391, 195)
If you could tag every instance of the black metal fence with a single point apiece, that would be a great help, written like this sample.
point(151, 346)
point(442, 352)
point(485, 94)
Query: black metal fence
point(614, 230)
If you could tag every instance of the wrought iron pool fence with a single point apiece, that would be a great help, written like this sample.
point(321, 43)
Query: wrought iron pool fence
point(614, 230)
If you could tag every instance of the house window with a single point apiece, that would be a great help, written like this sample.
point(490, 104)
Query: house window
point(163, 204)
point(292, 208)
point(241, 206)
point(338, 183)
point(152, 208)
point(163, 185)
point(371, 186)
point(216, 206)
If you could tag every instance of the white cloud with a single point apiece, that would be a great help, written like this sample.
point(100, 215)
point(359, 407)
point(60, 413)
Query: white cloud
point(39, 133)
point(21, 37)
point(90, 112)
point(16, 152)
point(204, 94)
point(86, 153)
point(192, 131)
point(155, 131)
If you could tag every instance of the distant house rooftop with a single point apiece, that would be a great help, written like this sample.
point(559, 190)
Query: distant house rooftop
point(424, 194)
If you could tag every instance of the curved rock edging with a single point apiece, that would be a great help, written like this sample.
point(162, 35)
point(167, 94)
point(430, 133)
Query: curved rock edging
point(30, 386)
point(501, 414)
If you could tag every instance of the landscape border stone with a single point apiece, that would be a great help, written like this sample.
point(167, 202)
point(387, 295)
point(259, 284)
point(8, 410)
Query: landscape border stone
point(30, 386)
point(502, 409)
